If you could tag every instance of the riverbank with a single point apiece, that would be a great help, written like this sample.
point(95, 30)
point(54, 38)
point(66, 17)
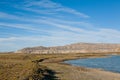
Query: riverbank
point(50, 67)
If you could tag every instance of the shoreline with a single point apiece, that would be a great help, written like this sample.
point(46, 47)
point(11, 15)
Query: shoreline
point(27, 66)
point(105, 56)
point(85, 70)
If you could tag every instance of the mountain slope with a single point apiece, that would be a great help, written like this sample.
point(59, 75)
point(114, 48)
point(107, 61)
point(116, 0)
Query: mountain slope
point(73, 48)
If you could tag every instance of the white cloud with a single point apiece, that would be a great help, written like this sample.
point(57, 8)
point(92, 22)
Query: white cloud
point(6, 15)
point(60, 38)
point(66, 31)
point(20, 26)
point(59, 23)
point(71, 28)
point(50, 7)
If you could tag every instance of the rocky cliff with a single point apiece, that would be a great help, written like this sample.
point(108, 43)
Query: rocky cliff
point(73, 48)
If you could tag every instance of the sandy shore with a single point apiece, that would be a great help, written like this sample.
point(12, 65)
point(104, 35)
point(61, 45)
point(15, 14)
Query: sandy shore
point(68, 72)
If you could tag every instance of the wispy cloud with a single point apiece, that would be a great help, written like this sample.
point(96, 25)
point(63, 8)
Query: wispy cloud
point(39, 16)
point(19, 26)
point(59, 23)
point(50, 7)
point(6, 15)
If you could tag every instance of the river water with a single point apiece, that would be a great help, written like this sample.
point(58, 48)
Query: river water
point(110, 63)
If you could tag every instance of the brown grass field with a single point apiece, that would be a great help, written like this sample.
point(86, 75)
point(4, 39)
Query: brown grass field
point(49, 67)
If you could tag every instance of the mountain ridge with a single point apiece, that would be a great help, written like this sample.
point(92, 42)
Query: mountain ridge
point(73, 48)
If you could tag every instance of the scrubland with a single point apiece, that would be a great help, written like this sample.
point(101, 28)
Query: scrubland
point(49, 67)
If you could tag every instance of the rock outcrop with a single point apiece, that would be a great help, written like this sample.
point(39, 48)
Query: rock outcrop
point(73, 48)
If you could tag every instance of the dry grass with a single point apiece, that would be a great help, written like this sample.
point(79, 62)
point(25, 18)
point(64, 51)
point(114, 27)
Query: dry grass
point(15, 67)
point(29, 67)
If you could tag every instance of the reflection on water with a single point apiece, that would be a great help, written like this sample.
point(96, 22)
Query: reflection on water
point(111, 63)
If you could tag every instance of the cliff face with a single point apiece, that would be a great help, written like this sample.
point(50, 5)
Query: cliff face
point(73, 48)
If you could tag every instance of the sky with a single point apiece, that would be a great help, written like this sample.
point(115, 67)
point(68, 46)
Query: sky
point(28, 23)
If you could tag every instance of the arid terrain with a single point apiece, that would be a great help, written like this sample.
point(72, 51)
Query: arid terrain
point(50, 67)
point(59, 39)
point(73, 48)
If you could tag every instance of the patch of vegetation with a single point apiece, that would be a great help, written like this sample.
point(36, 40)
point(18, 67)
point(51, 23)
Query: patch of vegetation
point(43, 73)
point(33, 66)
point(24, 67)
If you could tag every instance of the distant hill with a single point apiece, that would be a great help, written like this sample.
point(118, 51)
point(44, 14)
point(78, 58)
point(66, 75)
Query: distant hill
point(73, 48)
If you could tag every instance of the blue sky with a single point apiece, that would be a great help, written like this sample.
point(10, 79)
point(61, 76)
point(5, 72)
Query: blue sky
point(27, 23)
